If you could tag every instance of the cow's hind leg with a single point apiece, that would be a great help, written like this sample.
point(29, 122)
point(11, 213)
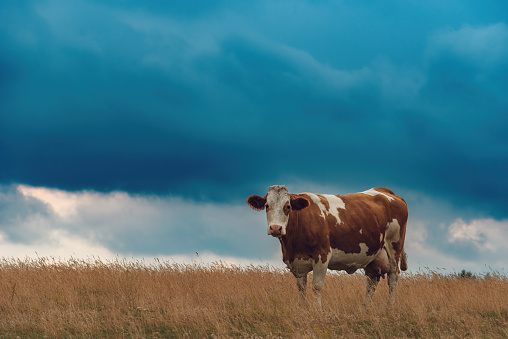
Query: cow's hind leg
point(392, 280)
point(372, 281)
point(393, 271)
point(374, 271)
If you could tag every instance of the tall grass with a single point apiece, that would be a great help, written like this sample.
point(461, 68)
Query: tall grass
point(91, 298)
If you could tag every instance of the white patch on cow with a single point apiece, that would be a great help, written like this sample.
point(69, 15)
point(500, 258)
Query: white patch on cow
point(356, 260)
point(392, 235)
point(393, 231)
point(319, 268)
point(333, 201)
point(318, 202)
point(361, 231)
point(373, 192)
point(300, 267)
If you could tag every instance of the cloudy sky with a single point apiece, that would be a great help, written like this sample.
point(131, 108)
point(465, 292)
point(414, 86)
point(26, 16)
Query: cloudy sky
point(138, 130)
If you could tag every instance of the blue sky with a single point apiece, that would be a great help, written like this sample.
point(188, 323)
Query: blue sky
point(139, 129)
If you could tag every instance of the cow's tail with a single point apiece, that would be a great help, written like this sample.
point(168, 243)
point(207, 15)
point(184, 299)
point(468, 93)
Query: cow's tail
point(403, 261)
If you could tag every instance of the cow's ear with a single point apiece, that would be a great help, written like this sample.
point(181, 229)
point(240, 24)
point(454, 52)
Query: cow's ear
point(256, 202)
point(299, 203)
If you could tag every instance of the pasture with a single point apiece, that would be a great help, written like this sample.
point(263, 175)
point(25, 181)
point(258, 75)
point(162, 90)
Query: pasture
point(120, 299)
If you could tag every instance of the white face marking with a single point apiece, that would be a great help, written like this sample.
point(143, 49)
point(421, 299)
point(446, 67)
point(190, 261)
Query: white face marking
point(334, 202)
point(276, 200)
point(373, 192)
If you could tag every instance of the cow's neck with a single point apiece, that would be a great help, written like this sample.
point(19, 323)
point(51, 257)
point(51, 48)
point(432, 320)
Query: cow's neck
point(299, 240)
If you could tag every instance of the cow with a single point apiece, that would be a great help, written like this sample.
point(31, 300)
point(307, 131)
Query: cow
point(338, 232)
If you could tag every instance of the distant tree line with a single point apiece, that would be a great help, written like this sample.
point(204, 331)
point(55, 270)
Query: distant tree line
point(469, 275)
point(466, 274)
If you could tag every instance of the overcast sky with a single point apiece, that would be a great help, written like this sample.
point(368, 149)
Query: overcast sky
point(138, 129)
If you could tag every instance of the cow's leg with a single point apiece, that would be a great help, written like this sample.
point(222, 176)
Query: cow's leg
point(392, 280)
point(301, 282)
point(374, 271)
point(300, 269)
point(318, 281)
point(372, 281)
point(392, 272)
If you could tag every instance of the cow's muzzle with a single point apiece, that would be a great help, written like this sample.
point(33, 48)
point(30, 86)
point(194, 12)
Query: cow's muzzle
point(275, 231)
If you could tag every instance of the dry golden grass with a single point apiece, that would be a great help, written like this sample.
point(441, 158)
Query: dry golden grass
point(95, 299)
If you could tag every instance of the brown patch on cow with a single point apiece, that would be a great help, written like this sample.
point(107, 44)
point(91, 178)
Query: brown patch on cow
point(366, 213)
point(324, 201)
point(306, 236)
point(287, 208)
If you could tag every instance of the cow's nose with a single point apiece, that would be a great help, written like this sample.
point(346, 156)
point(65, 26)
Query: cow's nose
point(274, 230)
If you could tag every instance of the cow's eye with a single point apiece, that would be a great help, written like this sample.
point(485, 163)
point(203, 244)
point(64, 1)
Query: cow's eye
point(267, 207)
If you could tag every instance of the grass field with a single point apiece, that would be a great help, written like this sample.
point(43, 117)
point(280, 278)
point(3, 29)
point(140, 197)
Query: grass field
point(120, 299)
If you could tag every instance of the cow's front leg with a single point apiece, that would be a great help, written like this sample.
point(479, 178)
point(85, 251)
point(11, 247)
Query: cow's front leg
point(318, 281)
point(300, 269)
point(301, 282)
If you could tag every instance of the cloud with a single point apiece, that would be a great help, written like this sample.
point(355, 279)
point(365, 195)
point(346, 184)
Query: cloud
point(63, 204)
point(443, 236)
point(57, 223)
point(424, 254)
point(55, 243)
point(23, 219)
point(464, 111)
point(171, 114)
point(466, 68)
point(132, 225)
point(477, 245)
point(487, 235)
point(484, 46)
point(483, 239)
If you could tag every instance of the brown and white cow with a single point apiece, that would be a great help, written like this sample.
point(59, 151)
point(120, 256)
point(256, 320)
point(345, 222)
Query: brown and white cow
point(338, 232)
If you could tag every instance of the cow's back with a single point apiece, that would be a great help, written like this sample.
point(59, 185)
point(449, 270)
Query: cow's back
point(353, 224)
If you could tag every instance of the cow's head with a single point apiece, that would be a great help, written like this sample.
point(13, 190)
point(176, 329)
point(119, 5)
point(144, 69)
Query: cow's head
point(278, 204)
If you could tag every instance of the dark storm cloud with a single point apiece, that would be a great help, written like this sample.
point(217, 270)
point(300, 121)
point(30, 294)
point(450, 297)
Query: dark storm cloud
point(463, 93)
point(217, 100)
